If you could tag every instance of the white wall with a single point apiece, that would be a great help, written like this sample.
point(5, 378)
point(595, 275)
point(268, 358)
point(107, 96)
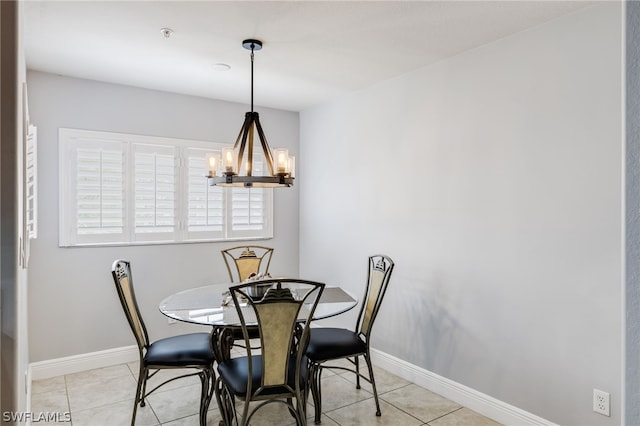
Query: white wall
point(73, 304)
point(494, 180)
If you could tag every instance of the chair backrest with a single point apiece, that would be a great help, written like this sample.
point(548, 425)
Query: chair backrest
point(380, 268)
point(121, 271)
point(283, 316)
point(242, 261)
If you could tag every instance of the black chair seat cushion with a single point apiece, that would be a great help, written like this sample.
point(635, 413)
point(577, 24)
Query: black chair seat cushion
point(332, 343)
point(177, 351)
point(235, 373)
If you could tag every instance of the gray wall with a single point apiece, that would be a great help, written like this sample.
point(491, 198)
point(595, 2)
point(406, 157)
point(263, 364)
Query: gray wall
point(73, 305)
point(632, 372)
point(494, 180)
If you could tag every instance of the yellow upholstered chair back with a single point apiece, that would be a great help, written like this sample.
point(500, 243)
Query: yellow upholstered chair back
point(380, 268)
point(242, 261)
point(121, 271)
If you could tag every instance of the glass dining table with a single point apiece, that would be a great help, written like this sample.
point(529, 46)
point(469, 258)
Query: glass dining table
point(210, 305)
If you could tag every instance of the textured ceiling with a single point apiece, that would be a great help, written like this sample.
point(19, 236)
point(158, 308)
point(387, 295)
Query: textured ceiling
point(313, 51)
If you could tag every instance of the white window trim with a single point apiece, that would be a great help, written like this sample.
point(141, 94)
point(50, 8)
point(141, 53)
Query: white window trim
point(68, 236)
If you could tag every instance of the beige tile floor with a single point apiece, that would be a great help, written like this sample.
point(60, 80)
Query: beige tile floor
point(104, 397)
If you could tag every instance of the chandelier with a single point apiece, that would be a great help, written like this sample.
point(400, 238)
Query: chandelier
point(231, 169)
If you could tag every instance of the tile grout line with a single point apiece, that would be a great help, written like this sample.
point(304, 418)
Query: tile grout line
point(444, 415)
point(326, 413)
point(398, 408)
point(66, 394)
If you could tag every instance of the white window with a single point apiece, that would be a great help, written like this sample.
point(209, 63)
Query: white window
point(127, 189)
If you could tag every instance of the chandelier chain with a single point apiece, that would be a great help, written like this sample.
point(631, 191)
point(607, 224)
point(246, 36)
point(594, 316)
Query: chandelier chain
point(252, 47)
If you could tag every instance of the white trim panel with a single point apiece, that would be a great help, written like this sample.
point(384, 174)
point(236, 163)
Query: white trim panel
point(76, 363)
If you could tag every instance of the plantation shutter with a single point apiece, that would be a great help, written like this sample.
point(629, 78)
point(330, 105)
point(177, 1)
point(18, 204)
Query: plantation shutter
point(155, 183)
point(96, 199)
point(31, 182)
point(249, 206)
point(205, 204)
point(99, 193)
point(247, 211)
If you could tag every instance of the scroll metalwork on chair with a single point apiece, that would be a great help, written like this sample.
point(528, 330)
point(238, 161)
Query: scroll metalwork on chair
point(326, 344)
point(243, 261)
point(279, 373)
point(189, 351)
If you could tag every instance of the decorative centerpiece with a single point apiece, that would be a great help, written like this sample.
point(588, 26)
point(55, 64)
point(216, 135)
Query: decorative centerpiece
point(258, 290)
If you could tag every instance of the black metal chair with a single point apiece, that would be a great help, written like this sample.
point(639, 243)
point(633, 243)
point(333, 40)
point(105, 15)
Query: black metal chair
point(280, 372)
point(246, 260)
point(192, 351)
point(326, 344)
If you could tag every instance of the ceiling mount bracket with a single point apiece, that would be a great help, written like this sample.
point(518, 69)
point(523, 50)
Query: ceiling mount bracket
point(252, 44)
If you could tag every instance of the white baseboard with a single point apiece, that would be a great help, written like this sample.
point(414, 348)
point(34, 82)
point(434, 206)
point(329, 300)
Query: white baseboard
point(484, 404)
point(76, 363)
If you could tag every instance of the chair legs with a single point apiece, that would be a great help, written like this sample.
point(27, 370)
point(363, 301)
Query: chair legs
point(226, 403)
point(316, 393)
point(372, 379)
point(316, 384)
point(140, 389)
point(229, 413)
point(207, 378)
point(300, 411)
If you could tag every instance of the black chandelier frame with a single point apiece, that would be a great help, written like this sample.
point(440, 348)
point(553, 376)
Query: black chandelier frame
point(244, 143)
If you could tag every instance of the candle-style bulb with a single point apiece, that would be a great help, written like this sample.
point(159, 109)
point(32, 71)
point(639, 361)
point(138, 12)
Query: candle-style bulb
point(212, 164)
point(228, 158)
point(282, 160)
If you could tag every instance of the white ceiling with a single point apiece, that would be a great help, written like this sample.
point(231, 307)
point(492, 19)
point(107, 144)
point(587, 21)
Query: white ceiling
point(313, 51)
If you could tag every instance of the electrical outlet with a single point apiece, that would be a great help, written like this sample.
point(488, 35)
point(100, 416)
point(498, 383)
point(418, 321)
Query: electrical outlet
point(601, 403)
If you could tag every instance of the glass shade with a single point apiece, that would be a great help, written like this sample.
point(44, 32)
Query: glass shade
point(281, 158)
point(292, 166)
point(228, 161)
point(213, 163)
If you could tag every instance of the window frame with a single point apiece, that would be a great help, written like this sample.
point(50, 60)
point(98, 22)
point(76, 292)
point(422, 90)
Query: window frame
point(69, 140)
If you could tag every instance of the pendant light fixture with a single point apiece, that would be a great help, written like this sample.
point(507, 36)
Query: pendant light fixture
point(233, 170)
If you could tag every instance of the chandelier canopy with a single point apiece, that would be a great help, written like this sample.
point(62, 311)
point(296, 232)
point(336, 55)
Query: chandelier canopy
point(233, 170)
